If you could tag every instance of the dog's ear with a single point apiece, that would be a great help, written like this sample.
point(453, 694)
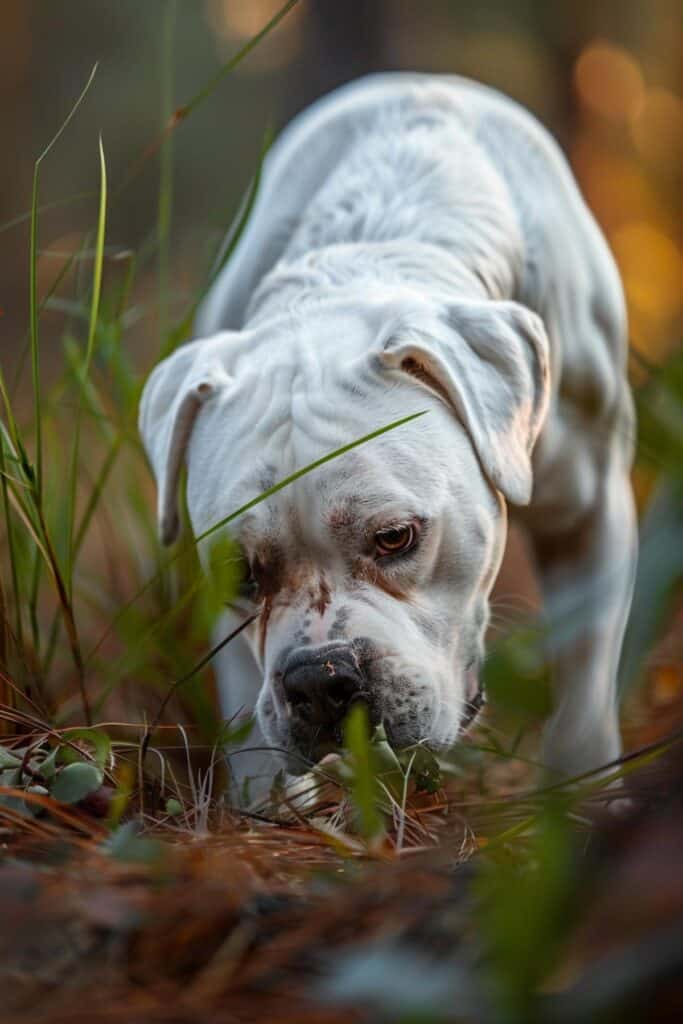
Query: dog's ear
point(489, 361)
point(171, 399)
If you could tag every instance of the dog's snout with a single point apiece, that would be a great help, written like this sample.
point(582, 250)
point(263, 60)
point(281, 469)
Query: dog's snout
point(321, 685)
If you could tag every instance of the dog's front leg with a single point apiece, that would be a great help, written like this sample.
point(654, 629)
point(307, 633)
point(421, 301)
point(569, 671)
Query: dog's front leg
point(587, 574)
point(252, 766)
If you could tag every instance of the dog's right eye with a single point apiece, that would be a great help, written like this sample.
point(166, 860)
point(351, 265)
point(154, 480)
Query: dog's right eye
point(395, 540)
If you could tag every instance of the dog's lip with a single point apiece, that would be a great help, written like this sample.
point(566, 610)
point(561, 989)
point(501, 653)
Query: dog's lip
point(475, 698)
point(472, 680)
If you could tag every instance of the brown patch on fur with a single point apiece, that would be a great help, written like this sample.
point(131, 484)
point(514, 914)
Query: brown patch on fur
point(370, 572)
point(268, 570)
point(278, 586)
point(321, 601)
point(342, 519)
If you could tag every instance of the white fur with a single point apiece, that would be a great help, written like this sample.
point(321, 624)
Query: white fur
point(426, 219)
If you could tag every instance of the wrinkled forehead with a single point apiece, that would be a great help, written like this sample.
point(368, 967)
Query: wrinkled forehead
point(340, 499)
point(412, 470)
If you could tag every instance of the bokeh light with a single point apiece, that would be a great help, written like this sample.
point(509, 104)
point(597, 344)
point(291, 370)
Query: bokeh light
point(614, 184)
point(652, 269)
point(657, 128)
point(234, 22)
point(609, 81)
point(626, 152)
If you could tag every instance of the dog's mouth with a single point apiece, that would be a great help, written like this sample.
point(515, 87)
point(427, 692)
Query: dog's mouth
point(314, 735)
point(472, 709)
point(311, 740)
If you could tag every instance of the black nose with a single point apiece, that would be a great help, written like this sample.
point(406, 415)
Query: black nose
point(320, 685)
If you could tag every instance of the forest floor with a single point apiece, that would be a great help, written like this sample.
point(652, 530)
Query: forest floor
point(248, 920)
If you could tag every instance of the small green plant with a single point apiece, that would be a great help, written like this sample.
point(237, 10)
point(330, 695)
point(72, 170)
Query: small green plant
point(69, 769)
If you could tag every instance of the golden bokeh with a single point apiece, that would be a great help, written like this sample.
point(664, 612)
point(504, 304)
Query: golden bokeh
point(627, 152)
point(657, 128)
point(652, 269)
point(609, 81)
point(235, 22)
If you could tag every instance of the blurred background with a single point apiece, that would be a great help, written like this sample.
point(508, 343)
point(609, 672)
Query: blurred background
point(602, 75)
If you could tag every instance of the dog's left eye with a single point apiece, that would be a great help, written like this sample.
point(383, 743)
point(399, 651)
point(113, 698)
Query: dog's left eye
point(395, 540)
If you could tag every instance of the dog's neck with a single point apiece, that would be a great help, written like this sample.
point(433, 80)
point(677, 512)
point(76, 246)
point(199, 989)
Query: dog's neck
point(363, 268)
point(414, 202)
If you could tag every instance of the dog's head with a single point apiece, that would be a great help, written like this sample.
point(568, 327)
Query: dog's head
point(371, 574)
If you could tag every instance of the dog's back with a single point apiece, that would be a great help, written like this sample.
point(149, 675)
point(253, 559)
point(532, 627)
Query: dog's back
point(421, 156)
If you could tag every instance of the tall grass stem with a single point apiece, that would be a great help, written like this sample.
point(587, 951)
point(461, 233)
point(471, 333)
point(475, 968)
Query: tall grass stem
point(165, 201)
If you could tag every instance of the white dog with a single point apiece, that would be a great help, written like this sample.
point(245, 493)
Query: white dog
point(418, 243)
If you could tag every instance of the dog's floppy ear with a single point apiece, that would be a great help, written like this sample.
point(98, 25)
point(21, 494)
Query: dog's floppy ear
point(489, 360)
point(172, 396)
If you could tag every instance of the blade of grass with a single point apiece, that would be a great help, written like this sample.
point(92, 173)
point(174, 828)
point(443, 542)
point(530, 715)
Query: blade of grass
point(94, 312)
point(38, 532)
point(15, 481)
point(182, 113)
point(36, 572)
point(400, 831)
point(4, 636)
point(9, 413)
point(231, 64)
point(11, 544)
point(41, 538)
point(364, 784)
point(33, 282)
point(35, 348)
point(99, 484)
point(26, 514)
point(165, 201)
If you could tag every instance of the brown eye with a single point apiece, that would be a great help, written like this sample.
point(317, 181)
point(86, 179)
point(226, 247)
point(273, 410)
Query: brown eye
point(395, 540)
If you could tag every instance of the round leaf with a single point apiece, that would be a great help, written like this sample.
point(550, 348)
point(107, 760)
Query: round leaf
point(75, 781)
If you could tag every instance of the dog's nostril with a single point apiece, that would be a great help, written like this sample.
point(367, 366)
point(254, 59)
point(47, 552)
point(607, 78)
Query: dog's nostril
point(342, 691)
point(306, 688)
point(321, 691)
point(298, 687)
